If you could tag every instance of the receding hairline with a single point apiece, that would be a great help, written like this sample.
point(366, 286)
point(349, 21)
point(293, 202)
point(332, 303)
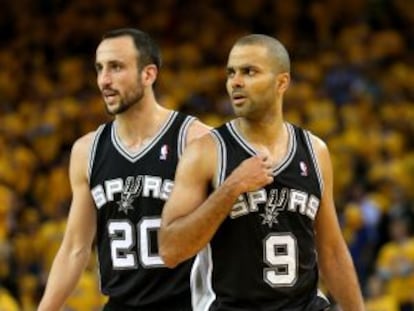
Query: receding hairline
point(146, 48)
point(275, 49)
point(125, 37)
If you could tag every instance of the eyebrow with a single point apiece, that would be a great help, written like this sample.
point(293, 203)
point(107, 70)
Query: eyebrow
point(243, 67)
point(110, 62)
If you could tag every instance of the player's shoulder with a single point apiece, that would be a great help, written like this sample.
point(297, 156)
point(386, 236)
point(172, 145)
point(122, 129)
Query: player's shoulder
point(318, 144)
point(203, 144)
point(82, 147)
point(80, 154)
point(83, 143)
point(201, 149)
point(197, 129)
point(199, 158)
point(321, 151)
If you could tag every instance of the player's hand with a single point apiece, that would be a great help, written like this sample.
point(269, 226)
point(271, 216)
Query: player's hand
point(252, 174)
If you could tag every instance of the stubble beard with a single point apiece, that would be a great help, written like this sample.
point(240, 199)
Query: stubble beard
point(242, 111)
point(249, 111)
point(126, 103)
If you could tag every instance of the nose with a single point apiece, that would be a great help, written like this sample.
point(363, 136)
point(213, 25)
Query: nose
point(104, 78)
point(236, 81)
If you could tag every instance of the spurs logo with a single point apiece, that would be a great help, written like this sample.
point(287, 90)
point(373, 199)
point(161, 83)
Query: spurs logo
point(275, 204)
point(124, 191)
point(275, 201)
point(132, 189)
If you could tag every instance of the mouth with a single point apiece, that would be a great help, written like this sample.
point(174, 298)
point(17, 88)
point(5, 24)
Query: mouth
point(238, 98)
point(109, 94)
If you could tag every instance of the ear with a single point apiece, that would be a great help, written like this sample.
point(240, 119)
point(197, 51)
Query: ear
point(283, 81)
point(149, 74)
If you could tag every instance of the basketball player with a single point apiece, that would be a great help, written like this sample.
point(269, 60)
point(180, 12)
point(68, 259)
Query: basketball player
point(260, 207)
point(121, 176)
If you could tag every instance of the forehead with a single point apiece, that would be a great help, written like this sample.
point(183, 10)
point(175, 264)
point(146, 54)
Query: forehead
point(253, 55)
point(119, 48)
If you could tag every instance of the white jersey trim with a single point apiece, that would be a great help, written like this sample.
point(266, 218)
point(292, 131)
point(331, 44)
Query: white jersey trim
point(292, 145)
point(134, 157)
point(314, 160)
point(182, 135)
point(92, 151)
point(320, 294)
point(221, 157)
point(202, 293)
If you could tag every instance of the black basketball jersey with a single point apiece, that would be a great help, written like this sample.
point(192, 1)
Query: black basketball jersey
point(129, 191)
point(263, 256)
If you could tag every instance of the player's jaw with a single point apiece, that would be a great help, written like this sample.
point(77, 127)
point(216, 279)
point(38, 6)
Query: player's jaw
point(116, 103)
point(240, 102)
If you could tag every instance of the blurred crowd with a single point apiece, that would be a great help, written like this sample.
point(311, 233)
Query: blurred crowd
point(352, 85)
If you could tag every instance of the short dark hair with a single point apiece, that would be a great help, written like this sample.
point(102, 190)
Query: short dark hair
point(148, 50)
point(276, 49)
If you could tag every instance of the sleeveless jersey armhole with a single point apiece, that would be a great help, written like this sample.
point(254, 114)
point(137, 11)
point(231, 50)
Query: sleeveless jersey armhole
point(220, 173)
point(182, 135)
point(92, 151)
point(314, 160)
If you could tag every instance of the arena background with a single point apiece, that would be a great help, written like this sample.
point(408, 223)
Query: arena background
point(353, 85)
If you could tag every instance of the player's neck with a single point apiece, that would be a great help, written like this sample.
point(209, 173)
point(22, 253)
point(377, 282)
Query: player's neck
point(140, 123)
point(271, 138)
point(266, 132)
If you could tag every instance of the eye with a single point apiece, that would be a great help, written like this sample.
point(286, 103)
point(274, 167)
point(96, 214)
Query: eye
point(230, 73)
point(98, 68)
point(251, 71)
point(116, 67)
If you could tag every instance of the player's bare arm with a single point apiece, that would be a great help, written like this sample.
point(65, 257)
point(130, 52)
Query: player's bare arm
point(74, 252)
point(333, 253)
point(190, 219)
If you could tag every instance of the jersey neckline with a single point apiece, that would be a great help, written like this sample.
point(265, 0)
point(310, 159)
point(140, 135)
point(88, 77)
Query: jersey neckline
point(244, 143)
point(135, 156)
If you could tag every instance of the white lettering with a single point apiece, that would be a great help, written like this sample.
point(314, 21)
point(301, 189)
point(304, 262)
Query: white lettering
point(240, 208)
point(166, 189)
point(297, 199)
point(152, 184)
point(113, 186)
point(255, 198)
point(313, 206)
point(98, 195)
